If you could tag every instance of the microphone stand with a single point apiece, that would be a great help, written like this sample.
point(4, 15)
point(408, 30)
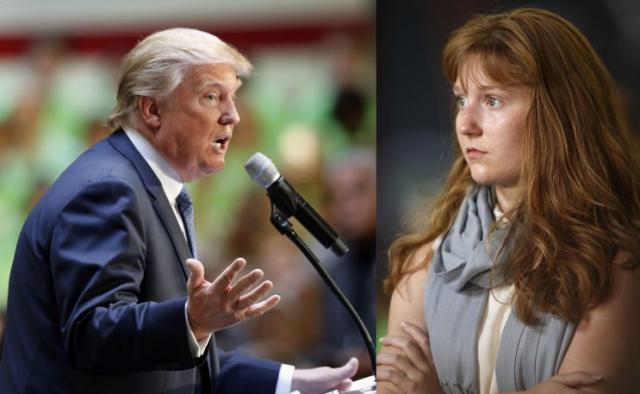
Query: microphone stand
point(280, 222)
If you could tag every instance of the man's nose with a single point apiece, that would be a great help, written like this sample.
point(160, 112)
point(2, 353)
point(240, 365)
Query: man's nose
point(230, 116)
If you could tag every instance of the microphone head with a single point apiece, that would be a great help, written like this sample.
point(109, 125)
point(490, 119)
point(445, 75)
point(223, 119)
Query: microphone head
point(262, 170)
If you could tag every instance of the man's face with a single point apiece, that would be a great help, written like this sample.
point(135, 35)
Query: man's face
point(197, 120)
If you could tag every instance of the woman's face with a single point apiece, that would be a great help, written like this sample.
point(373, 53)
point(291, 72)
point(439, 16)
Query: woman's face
point(490, 125)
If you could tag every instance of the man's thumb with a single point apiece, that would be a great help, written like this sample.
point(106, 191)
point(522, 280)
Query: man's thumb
point(196, 274)
point(347, 370)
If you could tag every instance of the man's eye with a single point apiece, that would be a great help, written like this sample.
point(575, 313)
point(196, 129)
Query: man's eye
point(212, 97)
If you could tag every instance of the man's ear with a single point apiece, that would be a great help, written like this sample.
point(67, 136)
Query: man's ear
point(149, 112)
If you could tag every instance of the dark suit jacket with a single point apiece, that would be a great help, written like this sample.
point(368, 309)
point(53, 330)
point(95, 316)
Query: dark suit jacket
point(98, 289)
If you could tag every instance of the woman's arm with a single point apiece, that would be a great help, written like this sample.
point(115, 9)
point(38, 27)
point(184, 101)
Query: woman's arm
point(404, 364)
point(407, 299)
point(604, 354)
point(607, 339)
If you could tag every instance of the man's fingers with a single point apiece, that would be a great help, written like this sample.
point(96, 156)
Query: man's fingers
point(577, 379)
point(223, 281)
point(246, 300)
point(344, 385)
point(196, 274)
point(261, 307)
point(245, 282)
point(323, 379)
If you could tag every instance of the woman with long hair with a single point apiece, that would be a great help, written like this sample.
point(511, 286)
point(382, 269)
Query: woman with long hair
point(525, 278)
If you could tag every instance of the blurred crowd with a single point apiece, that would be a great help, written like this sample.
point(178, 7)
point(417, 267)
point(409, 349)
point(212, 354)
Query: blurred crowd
point(310, 108)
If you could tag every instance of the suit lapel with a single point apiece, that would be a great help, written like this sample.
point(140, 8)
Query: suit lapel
point(122, 144)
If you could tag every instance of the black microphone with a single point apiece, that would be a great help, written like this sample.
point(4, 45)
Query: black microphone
point(290, 203)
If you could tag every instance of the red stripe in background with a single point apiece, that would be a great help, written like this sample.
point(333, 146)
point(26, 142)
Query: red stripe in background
point(118, 42)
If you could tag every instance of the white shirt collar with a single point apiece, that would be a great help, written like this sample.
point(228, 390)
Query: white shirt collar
point(169, 179)
point(497, 212)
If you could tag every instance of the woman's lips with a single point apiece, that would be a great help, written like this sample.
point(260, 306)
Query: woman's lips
point(473, 153)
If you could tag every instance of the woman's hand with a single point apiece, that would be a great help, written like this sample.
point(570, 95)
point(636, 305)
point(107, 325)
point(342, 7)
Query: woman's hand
point(565, 383)
point(405, 364)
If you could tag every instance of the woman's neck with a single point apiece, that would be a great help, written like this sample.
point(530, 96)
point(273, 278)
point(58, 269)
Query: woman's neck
point(507, 197)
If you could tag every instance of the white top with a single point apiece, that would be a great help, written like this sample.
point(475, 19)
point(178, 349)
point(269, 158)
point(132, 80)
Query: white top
point(495, 317)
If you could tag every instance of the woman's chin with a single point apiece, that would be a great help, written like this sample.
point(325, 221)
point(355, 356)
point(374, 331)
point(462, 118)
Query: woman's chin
point(482, 178)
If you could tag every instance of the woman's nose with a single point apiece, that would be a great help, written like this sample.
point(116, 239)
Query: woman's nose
point(467, 121)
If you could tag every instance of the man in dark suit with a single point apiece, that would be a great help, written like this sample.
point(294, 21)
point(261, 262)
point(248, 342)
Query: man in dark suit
point(104, 296)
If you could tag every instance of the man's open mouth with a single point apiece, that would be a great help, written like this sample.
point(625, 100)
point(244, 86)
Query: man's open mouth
point(222, 142)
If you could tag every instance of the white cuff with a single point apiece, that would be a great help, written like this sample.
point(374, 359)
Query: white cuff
point(285, 379)
point(197, 348)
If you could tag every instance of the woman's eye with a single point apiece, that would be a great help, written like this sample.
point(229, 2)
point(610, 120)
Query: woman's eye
point(460, 101)
point(494, 102)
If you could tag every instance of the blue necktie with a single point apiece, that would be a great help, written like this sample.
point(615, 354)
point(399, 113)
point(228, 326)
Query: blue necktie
point(185, 207)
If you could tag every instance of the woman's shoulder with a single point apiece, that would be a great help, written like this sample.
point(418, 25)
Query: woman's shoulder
point(412, 284)
point(407, 300)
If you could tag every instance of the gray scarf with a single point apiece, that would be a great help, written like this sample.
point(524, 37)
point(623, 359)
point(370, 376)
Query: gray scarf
point(459, 281)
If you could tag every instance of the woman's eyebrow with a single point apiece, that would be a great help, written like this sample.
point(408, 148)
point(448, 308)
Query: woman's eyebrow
point(483, 88)
point(491, 87)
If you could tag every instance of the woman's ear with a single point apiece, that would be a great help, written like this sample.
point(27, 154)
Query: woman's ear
point(149, 112)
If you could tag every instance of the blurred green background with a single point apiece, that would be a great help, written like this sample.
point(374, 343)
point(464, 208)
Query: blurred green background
point(310, 106)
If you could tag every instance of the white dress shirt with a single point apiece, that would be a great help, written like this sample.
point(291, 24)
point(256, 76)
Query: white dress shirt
point(172, 185)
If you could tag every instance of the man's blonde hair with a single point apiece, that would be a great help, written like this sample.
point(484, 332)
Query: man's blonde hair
point(157, 65)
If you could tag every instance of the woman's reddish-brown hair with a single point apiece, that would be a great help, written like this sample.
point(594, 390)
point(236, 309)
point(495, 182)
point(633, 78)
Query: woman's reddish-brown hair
point(580, 202)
